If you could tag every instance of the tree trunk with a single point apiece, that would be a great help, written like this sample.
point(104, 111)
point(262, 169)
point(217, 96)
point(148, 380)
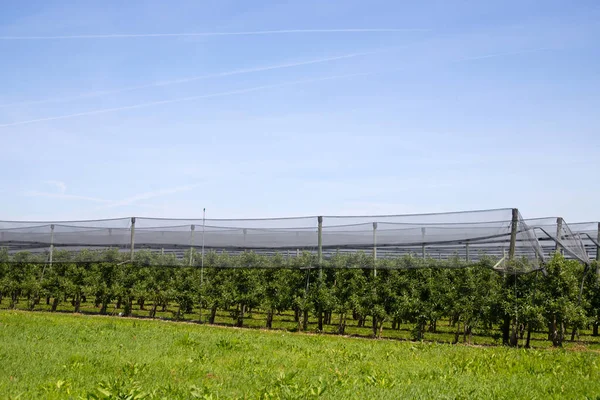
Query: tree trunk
point(514, 341)
point(297, 315)
point(557, 333)
point(141, 303)
point(457, 332)
point(595, 329)
point(433, 326)
point(528, 341)
point(270, 319)
point(320, 320)
point(342, 324)
point(77, 302)
point(506, 330)
point(240, 317)
point(118, 302)
point(47, 300)
point(104, 306)
point(128, 307)
point(213, 314)
point(54, 304)
point(305, 320)
point(573, 333)
point(13, 300)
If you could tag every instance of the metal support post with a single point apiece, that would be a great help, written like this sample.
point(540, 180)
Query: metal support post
point(132, 241)
point(374, 248)
point(514, 226)
point(423, 244)
point(51, 243)
point(320, 244)
point(192, 228)
point(559, 226)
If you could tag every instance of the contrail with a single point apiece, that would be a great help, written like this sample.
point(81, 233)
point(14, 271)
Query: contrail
point(184, 99)
point(191, 34)
point(195, 78)
point(252, 89)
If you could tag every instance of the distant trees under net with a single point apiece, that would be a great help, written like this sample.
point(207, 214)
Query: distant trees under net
point(483, 272)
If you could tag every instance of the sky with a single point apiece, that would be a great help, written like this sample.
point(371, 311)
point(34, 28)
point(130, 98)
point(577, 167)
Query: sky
point(275, 108)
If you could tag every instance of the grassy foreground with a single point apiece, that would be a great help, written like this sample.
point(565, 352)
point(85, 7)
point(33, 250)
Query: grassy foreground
point(45, 355)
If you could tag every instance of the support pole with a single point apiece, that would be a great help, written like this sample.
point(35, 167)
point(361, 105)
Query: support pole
point(559, 225)
point(374, 248)
point(423, 245)
point(192, 228)
point(514, 226)
point(132, 241)
point(598, 247)
point(202, 257)
point(51, 244)
point(467, 254)
point(320, 244)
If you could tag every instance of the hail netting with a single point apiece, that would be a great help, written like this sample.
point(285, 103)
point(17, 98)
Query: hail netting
point(68, 235)
point(589, 232)
point(466, 235)
point(554, 234)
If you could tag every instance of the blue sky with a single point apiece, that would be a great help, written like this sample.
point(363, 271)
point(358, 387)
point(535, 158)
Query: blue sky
point(452, 105)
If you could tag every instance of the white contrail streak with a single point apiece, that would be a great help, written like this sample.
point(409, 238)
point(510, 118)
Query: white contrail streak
point(195, 78)
point(184, 99)
point(247, 90)
point(191, 34)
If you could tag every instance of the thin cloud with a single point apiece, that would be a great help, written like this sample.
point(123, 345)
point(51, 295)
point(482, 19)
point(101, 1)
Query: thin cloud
point(136, 199)
point(196, 78)
point(208, 34)
point(151, 195)
point(248, 90)
point(183, 99)
point(61, 186)
point(64, 196)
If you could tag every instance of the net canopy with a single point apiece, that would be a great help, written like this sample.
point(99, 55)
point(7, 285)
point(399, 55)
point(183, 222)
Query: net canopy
point(468, 235)
point(555, 234)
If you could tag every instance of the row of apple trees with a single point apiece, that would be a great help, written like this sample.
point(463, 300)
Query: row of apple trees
point(345, 289)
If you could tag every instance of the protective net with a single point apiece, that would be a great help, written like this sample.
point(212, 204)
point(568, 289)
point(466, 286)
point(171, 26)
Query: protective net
point(468, 236)
point(589, 232)
point(554, 234)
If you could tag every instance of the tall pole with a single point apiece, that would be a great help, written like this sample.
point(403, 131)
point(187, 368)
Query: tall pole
point(51, 243)
point(467, 254)
point(559, 226)
point(320, 244)
point(514, 226)
point(192, 228)
point(132, 241)
point(374, 248)
point(423, 244)
point(202, 257)
point(598, 246)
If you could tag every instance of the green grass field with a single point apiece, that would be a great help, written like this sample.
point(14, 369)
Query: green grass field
point(45, 355)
